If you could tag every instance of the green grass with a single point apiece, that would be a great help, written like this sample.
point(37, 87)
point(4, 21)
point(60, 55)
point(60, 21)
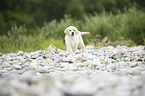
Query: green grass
point(27, 44)
point(126, 28)
point(17, 40)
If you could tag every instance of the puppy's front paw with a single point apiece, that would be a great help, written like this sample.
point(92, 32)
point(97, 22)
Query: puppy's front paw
point(72, 54)
point(83, 49)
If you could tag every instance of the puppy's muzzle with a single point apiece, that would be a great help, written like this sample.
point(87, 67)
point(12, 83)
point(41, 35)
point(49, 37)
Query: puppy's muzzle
point(72, 33)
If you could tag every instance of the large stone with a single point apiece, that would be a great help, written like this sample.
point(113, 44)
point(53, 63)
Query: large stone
point(6, 64)
point(17, 67)
point(42, 70)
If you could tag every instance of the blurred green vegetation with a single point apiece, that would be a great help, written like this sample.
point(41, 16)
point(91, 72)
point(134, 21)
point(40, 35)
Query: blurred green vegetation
point(16, 40)
point(32, 25)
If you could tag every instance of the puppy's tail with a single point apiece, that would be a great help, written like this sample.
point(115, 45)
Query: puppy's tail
point(83, 33)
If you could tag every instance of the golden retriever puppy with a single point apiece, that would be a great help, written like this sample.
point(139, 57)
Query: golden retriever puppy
point(73, 39)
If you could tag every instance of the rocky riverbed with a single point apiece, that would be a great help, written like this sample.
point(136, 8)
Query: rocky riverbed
point(106, 71)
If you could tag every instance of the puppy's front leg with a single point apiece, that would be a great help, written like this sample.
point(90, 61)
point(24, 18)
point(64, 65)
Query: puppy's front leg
point(69, 50)
point(83, 48)
point(81, 43)
point(75, 48)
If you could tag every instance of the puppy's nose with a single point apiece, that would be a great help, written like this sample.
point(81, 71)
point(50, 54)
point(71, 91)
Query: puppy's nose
point(72, 33)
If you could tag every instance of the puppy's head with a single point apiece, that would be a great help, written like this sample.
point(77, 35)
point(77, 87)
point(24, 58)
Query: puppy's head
point(71, 31)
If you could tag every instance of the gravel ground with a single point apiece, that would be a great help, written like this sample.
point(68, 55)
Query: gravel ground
point(106, 71)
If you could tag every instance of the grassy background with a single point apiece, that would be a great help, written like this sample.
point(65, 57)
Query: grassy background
point(127, 28)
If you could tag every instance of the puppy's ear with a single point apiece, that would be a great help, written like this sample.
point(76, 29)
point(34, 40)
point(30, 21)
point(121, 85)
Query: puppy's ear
point(66, 31)
point(77, 31)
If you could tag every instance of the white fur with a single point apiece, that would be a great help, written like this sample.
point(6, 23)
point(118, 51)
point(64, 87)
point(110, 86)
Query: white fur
point(73, 41)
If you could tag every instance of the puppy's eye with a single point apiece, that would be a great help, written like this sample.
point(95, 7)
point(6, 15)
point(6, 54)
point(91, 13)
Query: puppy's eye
point(69, 30)
point(73, 30)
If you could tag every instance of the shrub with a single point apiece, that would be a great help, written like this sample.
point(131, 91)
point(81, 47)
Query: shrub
point(56, 29)
point(129, 25)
